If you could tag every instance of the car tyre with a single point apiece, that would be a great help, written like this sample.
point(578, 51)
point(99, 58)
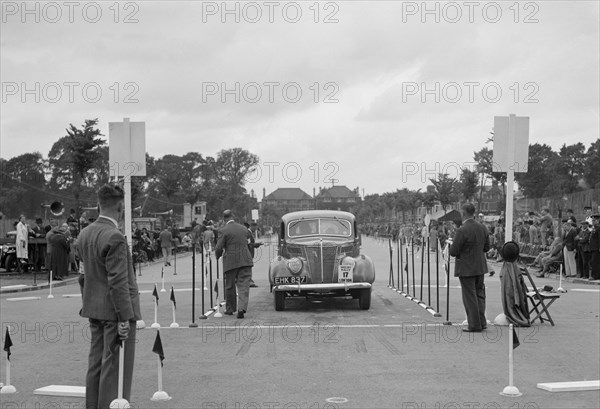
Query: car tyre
point(364, 299)
point(11, 263)
point(279, 300)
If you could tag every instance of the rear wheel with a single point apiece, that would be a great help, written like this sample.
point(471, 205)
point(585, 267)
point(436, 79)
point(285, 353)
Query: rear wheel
point(279, 300)
point(364, 299)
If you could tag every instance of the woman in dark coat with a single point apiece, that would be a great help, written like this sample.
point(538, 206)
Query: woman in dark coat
point(60, 253)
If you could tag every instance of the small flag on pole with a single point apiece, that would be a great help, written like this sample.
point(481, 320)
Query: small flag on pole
point(158, 348)
point(7, 344)
point(217, 288)
point(155, 294)
point(516, 342)
point(162, 272)
point(172, 297)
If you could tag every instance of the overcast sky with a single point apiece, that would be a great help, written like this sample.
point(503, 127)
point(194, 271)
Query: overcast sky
point(369, 74)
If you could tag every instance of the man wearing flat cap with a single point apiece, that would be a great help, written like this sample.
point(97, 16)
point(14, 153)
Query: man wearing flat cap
point(595, 246)
point(232, 244)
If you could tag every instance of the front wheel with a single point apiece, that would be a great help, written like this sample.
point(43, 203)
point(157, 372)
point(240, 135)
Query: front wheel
point(11, 263)
point(364, 299)
point(279, 300)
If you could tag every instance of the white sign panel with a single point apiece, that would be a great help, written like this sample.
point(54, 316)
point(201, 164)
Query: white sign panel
point(127, 149)
point(501, 160)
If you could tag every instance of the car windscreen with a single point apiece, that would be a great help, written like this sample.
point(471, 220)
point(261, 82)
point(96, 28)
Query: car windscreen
point(312, 227)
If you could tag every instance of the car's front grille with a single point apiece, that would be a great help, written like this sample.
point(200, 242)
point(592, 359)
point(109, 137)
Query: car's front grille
point(312, 253)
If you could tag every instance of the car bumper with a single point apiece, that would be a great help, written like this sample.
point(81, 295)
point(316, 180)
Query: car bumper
point(320, 287)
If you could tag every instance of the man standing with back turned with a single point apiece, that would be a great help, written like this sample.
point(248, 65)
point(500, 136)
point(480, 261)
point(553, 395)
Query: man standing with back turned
point(469, 247)
point(237, 264)
point(110, 300)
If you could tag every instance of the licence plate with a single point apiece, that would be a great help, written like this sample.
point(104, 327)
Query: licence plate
point(290, 280)
point(345, 273)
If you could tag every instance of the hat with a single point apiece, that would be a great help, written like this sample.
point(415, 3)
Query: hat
point(227, 214)
point(510, 251)
point(595, 216)
point(584, 222)
point(39, 220)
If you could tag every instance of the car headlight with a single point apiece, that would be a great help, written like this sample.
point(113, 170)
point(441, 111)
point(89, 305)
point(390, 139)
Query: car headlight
point(4, 249)
point(295, 265)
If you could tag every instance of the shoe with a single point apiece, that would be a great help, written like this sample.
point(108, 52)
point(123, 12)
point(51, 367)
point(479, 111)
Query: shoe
point(57, 278)
point(228, 313)
point(492, 273)
point(253, 285)
point(241, 313)
point(471, 330)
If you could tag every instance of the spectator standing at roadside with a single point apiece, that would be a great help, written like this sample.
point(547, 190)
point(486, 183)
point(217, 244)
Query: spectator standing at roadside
point(570, 232)
point(546, 222)
point(595, 247)
point(60, 252)
point(22, 241)
point(469, 247)
point(166, 244)
point(583, 250)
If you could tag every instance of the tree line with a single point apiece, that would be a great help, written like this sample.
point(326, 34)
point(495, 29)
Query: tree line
point(570, 169)
point(77, 164)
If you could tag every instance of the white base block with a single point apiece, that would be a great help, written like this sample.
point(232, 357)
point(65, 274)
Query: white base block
point(511, 391)
point(119, 404)
point(163, 290)
point(61, 390)
point(174, 325)
point(570, 386)
point(50, 296)
point(7, 389)
point(155, 325)
point(140, 324)
point(160, 395)
point(24, 299)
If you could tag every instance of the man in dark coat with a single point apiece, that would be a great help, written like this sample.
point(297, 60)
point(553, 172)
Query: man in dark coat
point(60, 253)
point(110, 301)
point(469, 247)
point(232, 244)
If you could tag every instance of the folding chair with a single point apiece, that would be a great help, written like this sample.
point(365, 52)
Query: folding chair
point(538, 300)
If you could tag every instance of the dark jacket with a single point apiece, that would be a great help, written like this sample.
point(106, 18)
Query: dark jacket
point(232, 244)
point(569, 240)
point(469, 247)
point(110, 290)
point(595, 239)
point(584, 240)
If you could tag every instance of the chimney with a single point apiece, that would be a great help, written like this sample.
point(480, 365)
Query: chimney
point(314, 192)
point(264, 192)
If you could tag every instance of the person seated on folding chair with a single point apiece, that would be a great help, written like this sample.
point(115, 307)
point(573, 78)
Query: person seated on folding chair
point(555, 254)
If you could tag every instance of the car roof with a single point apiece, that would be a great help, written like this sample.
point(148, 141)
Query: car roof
point(310, 214)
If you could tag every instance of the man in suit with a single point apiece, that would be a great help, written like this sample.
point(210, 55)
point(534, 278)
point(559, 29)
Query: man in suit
point(469, 247)
point(252, 245)
point(232, 244)
point(569, 247)
point(166, 243)
point(110, 300)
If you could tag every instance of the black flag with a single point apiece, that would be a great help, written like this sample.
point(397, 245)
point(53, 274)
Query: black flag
point(172, 297)
point(155, 294)
point(7, 344)
point(158, 349)
point(217, 288)
point(516, 342)
point(162, 272)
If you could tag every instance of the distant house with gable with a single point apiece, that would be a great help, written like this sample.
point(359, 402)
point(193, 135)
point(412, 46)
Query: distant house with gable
point(338, 198)
point(288, 199)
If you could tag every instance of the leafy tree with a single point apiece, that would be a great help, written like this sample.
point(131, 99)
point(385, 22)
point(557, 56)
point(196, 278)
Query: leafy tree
point(591, 168)
point(533, 183)
point(445, 190)
point(23, 185)
point(74, 157)
point(468, 183)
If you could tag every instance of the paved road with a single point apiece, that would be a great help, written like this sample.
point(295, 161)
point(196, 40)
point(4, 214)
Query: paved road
point(396, 355)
